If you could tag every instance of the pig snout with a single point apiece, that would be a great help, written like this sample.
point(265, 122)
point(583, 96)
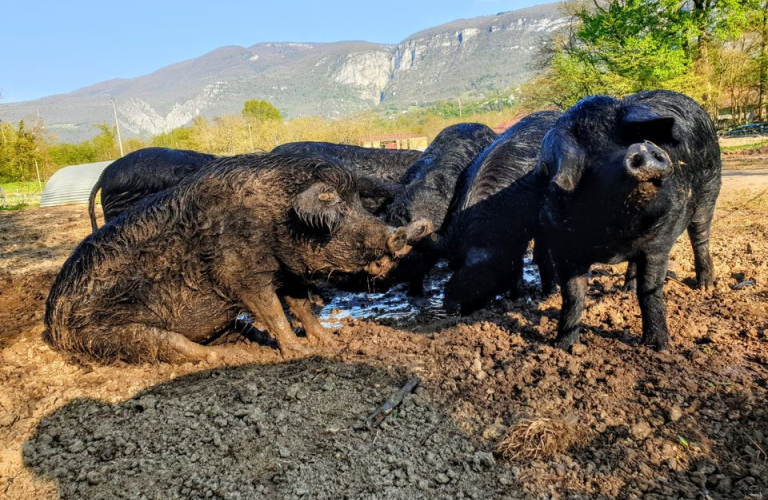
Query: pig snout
point(401, 241)
point(418, 230)
point(647, 162)
point(397, 244)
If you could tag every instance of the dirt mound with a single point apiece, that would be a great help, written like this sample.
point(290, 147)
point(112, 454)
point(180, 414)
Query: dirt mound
point(281, 431)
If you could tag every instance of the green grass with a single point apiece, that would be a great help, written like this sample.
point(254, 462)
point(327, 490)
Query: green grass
point(21, 195)
point(754, 145)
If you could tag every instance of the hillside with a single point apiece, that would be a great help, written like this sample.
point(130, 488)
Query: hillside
point(468, 57)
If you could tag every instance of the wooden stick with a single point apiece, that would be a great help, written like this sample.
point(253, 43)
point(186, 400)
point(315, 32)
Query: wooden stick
point(390, 404)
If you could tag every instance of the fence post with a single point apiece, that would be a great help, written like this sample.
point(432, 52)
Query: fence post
point(39, 182)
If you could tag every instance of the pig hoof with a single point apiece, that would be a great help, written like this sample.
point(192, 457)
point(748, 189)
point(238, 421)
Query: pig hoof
point(656, 344)
point(295, 351)
point(321, 339)
point(565, 344)
point(630, 286)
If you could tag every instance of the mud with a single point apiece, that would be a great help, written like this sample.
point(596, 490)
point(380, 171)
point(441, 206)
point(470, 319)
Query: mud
point(688, 423)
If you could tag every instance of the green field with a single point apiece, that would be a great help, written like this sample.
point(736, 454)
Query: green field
point(20, 195)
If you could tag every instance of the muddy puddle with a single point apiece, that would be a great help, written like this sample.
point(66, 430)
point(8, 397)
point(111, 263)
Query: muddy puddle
point(395, 306)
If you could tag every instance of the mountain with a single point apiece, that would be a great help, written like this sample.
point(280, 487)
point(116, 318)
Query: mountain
point(466, 58)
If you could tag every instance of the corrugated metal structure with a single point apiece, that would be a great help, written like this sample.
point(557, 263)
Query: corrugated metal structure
point(72, 184)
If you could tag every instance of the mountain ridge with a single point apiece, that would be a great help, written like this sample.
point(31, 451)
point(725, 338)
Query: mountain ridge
point(465, 57)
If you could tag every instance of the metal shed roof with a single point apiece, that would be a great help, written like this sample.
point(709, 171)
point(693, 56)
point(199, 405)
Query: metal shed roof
point(72, 184)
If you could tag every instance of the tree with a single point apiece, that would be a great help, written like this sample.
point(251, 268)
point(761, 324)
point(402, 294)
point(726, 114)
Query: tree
point(623, 46)
point(104, 144)
point(260, 111)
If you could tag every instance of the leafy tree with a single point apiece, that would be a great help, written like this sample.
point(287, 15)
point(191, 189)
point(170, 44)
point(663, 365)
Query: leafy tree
point(260, 111)
point(624, 46)
point(104, 144)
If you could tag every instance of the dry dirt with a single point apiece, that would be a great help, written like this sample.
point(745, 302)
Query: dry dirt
point(616, 420)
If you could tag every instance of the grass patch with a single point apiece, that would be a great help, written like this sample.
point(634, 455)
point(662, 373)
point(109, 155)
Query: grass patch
point(21, 195)
point(744, 147)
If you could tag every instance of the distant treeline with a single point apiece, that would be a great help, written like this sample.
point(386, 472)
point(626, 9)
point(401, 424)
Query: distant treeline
point(25, 147)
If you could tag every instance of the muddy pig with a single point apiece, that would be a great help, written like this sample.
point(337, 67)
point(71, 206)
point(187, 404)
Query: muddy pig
point(138, 174)
point(493, 217)
point(626, 178)
point(170, 273)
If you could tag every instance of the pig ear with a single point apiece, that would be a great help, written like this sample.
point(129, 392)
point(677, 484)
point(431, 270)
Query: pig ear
point(320, 207)
point(562, 160)
point(646, 124)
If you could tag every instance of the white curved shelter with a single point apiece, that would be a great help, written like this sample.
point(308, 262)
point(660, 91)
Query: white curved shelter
point(72, 184)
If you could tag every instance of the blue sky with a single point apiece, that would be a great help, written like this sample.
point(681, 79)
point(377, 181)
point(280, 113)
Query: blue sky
point(52, 47)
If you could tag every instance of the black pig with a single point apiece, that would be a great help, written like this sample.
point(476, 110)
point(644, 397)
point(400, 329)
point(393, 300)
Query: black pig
point(429, 182)
point(379, 170)
point(177, 268)
point(138, 174)
point(428, 187)
point(627, 177)
point(493, 217)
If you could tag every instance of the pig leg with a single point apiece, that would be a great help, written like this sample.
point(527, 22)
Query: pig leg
point(630, 277)
point(543, 260)
point(651, 273)
point(698, 232)
point(317, 334)
point(176, 348)
point(574, 288)
point(516, 278)
point(265, 305)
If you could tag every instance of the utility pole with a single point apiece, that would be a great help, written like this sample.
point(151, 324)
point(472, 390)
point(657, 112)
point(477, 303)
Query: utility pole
point(39, 182)
point(459, 99)
point(117, 126)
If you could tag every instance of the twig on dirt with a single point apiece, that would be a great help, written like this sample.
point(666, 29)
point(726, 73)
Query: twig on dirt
point(760, 450)
point(677, 280)
point(390, 404)
point(432, 430)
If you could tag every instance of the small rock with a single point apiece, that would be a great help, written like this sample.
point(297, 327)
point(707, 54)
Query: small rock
point(284, 452)
point(94, 477)
point(442, 478)
point(293, 390)
point(505, 480)
point(640, 430)
point(494, 431)
point(77, 446)
point(328, 385)
point(675, 413)
point(483, 459)
point(578, 349)
point(147, 403)
point(724, 485)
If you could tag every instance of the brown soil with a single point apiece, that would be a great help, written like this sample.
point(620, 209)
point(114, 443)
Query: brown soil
point(688, 423)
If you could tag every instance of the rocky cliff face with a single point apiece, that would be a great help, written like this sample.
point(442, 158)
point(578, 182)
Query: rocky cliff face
point(465, 58)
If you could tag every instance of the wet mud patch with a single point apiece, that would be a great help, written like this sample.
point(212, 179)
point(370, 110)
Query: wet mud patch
point(395, 308)
point(276, 431)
